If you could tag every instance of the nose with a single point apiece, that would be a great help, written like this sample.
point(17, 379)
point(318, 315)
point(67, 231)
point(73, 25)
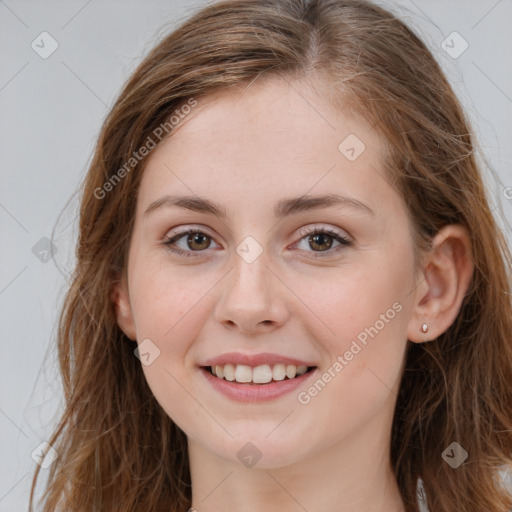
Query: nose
point(251, 298)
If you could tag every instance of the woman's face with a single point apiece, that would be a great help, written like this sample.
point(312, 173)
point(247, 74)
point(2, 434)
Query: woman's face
point(256, 287)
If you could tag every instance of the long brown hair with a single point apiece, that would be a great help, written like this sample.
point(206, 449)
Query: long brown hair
point(117, 448)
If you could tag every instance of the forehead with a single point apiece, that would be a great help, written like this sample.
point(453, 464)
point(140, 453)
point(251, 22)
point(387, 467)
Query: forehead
point(273, 136)
point(284, 113)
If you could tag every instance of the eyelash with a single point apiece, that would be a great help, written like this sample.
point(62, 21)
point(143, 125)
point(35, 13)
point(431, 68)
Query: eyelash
point(345, 242)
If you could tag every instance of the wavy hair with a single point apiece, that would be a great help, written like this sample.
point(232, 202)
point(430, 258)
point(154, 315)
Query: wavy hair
point(117, 448)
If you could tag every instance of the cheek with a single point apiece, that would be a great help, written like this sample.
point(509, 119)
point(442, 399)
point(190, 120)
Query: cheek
point(169, 310)
point(165, 306)
point(366, 314)
point(359, 300)
point(168, 302)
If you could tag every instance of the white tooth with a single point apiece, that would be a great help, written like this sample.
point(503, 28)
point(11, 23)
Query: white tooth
point(278, 372)
point(291, 371)
point(229, 372)
point(301, 370)
point(219, 371)
point(213, 370)
point(243, 373)
point(262, 374)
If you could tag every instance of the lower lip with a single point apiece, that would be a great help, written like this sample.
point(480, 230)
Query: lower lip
point(255, 392)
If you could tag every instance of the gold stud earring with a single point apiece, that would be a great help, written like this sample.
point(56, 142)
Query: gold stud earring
point(424, 328)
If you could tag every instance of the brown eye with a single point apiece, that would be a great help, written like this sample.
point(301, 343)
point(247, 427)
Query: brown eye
point(321, 241)
point(194, 241)
point(202, 241)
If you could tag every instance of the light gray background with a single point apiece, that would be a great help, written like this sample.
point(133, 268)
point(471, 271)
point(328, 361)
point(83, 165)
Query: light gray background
point(51, 113)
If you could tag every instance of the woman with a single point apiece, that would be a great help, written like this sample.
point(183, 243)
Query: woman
point(290, 292)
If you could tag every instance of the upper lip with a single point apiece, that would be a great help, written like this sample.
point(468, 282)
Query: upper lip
point(235, 358)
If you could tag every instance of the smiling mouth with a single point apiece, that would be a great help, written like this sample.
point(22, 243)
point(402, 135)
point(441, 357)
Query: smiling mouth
point(262, 374)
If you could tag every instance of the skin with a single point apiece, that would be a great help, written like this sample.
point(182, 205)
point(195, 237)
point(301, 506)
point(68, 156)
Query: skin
point(247, 148)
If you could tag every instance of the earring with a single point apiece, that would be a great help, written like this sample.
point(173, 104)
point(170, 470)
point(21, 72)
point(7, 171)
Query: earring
point(424, 328)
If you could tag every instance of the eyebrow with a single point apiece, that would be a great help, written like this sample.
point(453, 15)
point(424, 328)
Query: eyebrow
point(282, 208)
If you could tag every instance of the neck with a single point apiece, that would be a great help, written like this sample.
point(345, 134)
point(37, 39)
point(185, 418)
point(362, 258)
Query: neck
point(353, 475)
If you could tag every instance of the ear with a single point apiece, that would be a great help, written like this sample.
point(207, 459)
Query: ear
point(121, 299)
point(446, 276)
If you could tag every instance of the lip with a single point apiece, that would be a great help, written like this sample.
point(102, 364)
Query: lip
point(254, 359)
point(256, 392)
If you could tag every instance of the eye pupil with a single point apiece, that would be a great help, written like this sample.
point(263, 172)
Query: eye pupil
point(322, 238)
point(193, 238)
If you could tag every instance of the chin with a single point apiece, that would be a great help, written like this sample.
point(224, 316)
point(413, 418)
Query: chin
point(260, 452)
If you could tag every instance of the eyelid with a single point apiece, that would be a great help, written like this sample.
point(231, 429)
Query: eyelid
point(308, 230)
point(186, 229)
